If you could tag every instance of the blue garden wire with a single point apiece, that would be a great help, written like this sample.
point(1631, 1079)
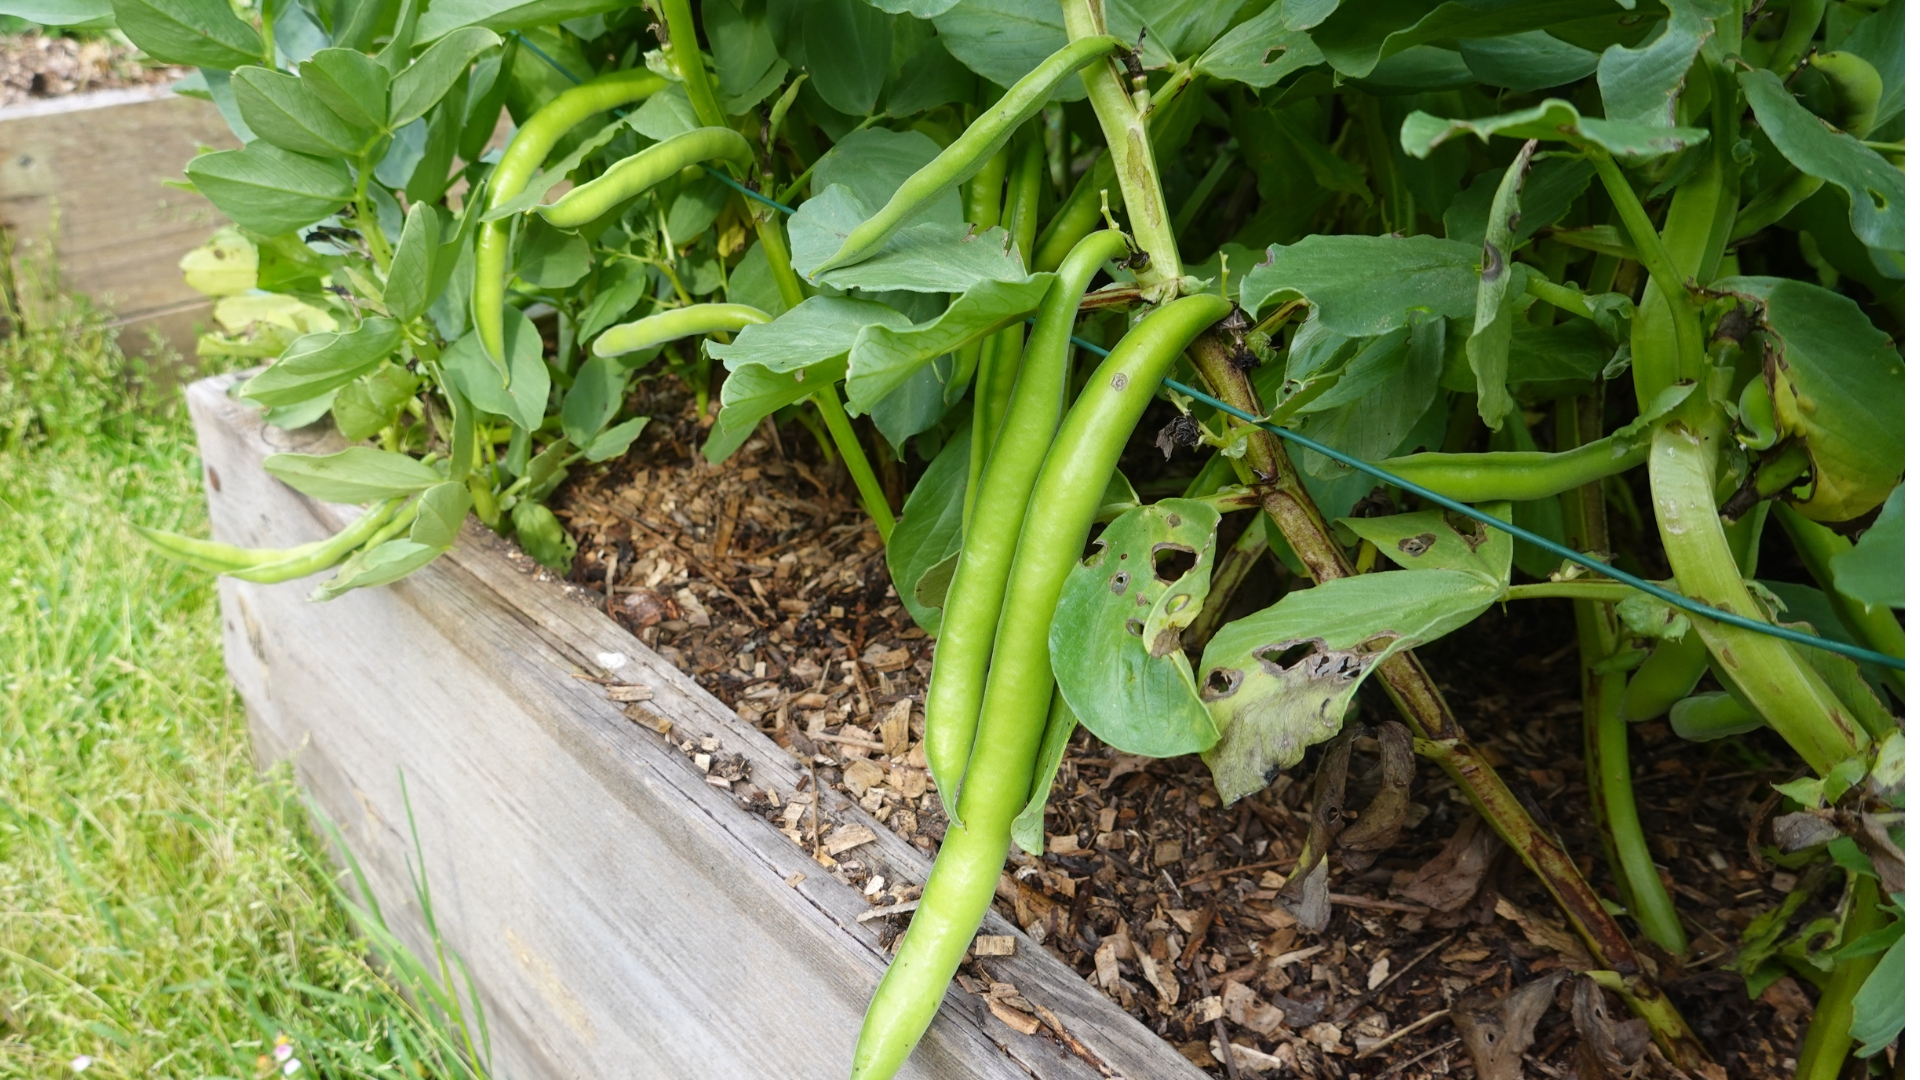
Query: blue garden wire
point(1691, 607)
point(711, 171)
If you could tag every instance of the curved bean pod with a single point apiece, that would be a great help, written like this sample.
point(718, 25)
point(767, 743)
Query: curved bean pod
point(530, 146)
point(979, 584)
point(636, 173)
point(1517, 475)
point(695, 320)
point(965, 155)
point(1020, 685)
point(1856, 88)
point(269, 564)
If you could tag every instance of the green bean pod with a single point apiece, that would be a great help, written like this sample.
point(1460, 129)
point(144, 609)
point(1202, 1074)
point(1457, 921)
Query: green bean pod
point(1703, 717)
point(636, 173)
point(695, 320)
point(1856, 88)
point(1077, 216)
point(529, 148)
point(1517, 475)
point(972, 607)
point(268, 565)
point(966, 154)
point(1020, 685)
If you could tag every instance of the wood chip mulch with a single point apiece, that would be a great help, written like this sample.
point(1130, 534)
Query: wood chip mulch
point(35, 66)
point(763, 580)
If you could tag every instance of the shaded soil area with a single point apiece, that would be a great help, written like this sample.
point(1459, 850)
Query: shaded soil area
point(763, 579)
point(35, 66)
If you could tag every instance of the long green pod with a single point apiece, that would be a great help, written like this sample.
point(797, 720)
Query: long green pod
point(970, 151)
point(269, 565)
point(343, 543)
point(979, 583)
point(1517, 475)
point(528, 149)
point(1077, 216)
point(999, 362)
point(1669, 673)
point(1020, 686)
point(636, 173)
point(695, 320)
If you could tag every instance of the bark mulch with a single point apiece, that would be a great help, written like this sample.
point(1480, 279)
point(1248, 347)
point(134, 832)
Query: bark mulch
point(35, 65)
point(763, 579)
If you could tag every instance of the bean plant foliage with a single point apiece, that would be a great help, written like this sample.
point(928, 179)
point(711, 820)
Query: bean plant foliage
point(1623, 273)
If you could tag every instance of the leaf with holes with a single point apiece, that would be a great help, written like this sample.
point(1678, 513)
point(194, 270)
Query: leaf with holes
point(1875, 189)
point(1279, 681)
point(1116, 631)
point(1439, 540)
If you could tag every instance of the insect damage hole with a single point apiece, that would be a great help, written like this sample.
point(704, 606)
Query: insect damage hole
point(1220, 682)
point(1171, 562)
point(1286, 656)
point(1136, 627)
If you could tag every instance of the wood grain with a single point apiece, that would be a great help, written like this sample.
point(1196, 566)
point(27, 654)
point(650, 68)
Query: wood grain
point(622, 915)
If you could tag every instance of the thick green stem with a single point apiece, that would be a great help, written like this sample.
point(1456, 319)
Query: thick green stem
point(1601, 592)
point(1132, 152)
point(872, 495)
point(1825, 1051)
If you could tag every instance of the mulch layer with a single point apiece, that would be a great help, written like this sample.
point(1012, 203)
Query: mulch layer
point(35, 66)
point(764, 581)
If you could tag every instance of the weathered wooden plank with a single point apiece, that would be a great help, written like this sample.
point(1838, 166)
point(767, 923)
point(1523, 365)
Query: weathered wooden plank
point(622, 915)
point(86, 171)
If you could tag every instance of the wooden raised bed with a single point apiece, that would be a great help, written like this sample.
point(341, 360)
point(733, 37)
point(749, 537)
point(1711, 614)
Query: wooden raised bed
point(621, 911)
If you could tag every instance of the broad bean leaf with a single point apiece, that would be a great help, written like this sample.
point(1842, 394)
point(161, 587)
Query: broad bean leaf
point(1381, 394)
point(269, 190)
point(1030, 826)
point(614, 441)
point(1002, 40)
point(542, 536)
point(1280, 680)
point(1876, 190)
point(919, 9)
point(1552, 185)
point(351, 83)
point(549, 258)
point(821, 328)
point(744, 51)
point(1360, 286)
point(1534, 60)
point(1838, 383)
point(524, 399)
point(422, 84)
point(1115, 636)
point(1543, 362)
point(1879, 1010)
point(1441, 540)
point(371, 402)
point(666, 114)
point(226, 265)
point(925, 545)
point(76, 13)
point(754, 391)
point(1642, 85)
point(1875, 571)
point(1881, 40)
point(873, 163)
point(446, 16)
point(1500, 292)
point(411, 275)
point(382, 564)
point(1260, 51)
point(848, 46)
point(358, 474)
point(286, 112)
point(1358, 36)
point(199, 33)
point(1553, 120)
point(318, 363)
point(442, 510)
point(593, 399)
point(621, 287)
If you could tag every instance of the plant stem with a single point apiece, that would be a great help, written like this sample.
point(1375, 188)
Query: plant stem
point(871, 494)
point(1126, 134)
point(1689, 357)
point(1824, 1053)
point(1560, 296)
point(1602, 592)
point(1438, 735)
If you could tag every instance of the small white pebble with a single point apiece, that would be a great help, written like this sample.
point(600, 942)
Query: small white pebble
point(612, 661)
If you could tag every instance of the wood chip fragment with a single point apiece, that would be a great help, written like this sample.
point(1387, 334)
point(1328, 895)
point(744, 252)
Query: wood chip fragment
point(846, 838)
point(993, 945)
point(893, 729)
point(1024, 1023)
point(794, 880)
point(624, 693)
point(900, 908)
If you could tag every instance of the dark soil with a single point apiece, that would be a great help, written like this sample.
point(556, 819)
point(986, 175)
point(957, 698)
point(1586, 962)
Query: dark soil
point(763, 579)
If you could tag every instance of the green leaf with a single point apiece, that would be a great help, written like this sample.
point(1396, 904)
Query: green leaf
point(931, 256)
point(548, 258)
point(1500, 293)
point(358, 474)
point(541, 536)
point(446, 16)
point(1526, 62)
point(317, 363)
point(75, 13)
point(1650, 617)
point(425, 81)
point(410, 275)
point(1260, 51)
point(226, 265)
point(536, 188)
point(1552, 120)
point(885, 357)
point(753, 391)
point(1441, 540)
point(271, 191)
point(1360, 286)
point(821, 328)
point(524, 400)
point(1381, 394)
point(614, 441)
point(1030, 826)
point(1179, 27)
point(373, 401)
point(1875, 571)
point(287, 113)
point(1552, 185)
point(1115, 636)
point(1838, 383)
point(849, 43)
point(595, 396)
point(1879, 1006)
point(199, 33)
point(873, 163)
point(1003, 40)
point(1543, 362)
point(1358, 36)
point(443, 509)
point(928, 535)
point(1881, 40)
point(381, 564)
point(1642, 85)
point(919, 9)
point(744, 52)
point(351, 83)
point(1280, 680)
point(1876, 190)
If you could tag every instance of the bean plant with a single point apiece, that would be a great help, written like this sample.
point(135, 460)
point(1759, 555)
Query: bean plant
point(1619, 276)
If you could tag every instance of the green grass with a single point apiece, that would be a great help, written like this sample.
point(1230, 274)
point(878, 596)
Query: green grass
point(164, 909)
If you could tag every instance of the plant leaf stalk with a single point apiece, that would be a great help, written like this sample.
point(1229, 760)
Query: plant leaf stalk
point(1824, 1053)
